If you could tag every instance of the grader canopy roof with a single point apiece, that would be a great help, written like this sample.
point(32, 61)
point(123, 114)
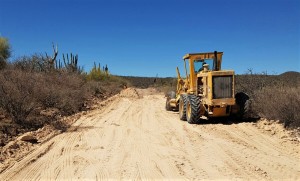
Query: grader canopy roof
point(203, 56)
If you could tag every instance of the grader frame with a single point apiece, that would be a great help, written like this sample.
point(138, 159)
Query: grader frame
point(208, 91)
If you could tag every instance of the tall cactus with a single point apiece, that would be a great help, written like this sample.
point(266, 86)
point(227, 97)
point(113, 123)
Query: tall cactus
point(71, 64)
point(58, 65)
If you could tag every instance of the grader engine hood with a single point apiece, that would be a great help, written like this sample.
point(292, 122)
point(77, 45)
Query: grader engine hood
point(222, 84)
point(218, 85)
point(218, 91)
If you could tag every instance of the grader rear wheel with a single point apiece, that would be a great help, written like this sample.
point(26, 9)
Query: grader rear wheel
point(243, 100)
point(182, 107)
point(193, 109)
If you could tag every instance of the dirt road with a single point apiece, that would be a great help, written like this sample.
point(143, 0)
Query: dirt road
point(135, 138)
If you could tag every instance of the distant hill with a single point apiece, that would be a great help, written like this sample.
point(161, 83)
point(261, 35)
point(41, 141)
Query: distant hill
point(291, 74)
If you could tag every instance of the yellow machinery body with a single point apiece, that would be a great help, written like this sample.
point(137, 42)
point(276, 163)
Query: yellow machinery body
point(212, 89)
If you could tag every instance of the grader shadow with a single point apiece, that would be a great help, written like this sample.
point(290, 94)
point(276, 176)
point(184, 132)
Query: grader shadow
point(227, 120)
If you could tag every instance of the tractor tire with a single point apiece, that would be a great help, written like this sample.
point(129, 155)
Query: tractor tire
point(193, 109)
point(182, 107)
point(168, 107)
point(170, 95)
point(243, 101)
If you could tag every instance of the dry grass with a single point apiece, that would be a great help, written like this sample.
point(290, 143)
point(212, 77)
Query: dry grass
point(273, 97)
point(31, 98)
point(279, 104)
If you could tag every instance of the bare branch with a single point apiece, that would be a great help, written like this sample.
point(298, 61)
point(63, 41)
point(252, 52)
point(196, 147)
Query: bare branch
point(55, 51)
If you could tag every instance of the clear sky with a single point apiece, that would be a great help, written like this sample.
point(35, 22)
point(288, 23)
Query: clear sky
point(149, 37)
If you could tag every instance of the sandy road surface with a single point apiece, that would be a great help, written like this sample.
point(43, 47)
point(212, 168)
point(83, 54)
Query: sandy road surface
point(135, 138)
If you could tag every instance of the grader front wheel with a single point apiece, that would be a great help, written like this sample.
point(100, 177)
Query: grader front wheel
point(170, 95)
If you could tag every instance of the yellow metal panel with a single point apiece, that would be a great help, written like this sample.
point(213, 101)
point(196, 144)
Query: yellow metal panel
point(201, 56)
point(193, 76)
point(219, 111)
point(225, 101)
point(209, 88)
point(223, 73)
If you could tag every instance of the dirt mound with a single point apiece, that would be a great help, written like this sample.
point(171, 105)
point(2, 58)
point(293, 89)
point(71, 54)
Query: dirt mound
point(275, 128)
point(130, 93)
point(148, 91)
point(20, 147)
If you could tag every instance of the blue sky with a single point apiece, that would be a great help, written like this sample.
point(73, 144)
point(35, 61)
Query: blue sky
point(149, 37)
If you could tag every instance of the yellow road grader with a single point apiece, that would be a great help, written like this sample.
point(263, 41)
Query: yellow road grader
point(207, 91)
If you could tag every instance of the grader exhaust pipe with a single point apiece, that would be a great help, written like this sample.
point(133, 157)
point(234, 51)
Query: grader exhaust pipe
point(215, 60)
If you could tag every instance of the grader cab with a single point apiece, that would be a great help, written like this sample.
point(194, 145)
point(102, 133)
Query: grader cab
point(206, 91)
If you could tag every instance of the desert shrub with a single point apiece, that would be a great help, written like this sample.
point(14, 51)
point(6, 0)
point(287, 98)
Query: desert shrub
point(279, 103)
point(18, 94)
point(64, 91)
point(2, 63)
point(33, 63)
point(96, 74)
point(250, 82)
point(44, 63)
point(109, 86)
point(273, 97)
point(5, 52)
point(22, 92)
point(140, 82)
point(95, 88)
point(5, 49)
point(145, 82)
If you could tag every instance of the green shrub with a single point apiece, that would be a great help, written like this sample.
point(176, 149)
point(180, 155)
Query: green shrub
point(5, 49)
point(5, 52)
point(96, 74)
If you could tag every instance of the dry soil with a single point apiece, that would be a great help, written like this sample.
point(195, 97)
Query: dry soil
point(133, 137)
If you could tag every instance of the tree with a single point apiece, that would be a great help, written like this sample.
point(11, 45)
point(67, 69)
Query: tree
point(5, 51)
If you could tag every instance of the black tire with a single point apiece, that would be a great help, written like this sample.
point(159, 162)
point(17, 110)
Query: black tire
point(170, 95)
point(193, 109)
point(243, 101)
point(168, 107)
point(182, 107)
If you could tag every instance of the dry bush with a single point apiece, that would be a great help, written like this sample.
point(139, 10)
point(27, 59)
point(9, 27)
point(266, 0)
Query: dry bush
point(44, 63)
point(273, 97)
point(107, 87)
point(140, 82)
point(64, 91)
point(22, 92)
point(2, 63)
point(18, 94)
point(145, 82)
point(250, 83)
point(279, 104)
point(32, 63)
